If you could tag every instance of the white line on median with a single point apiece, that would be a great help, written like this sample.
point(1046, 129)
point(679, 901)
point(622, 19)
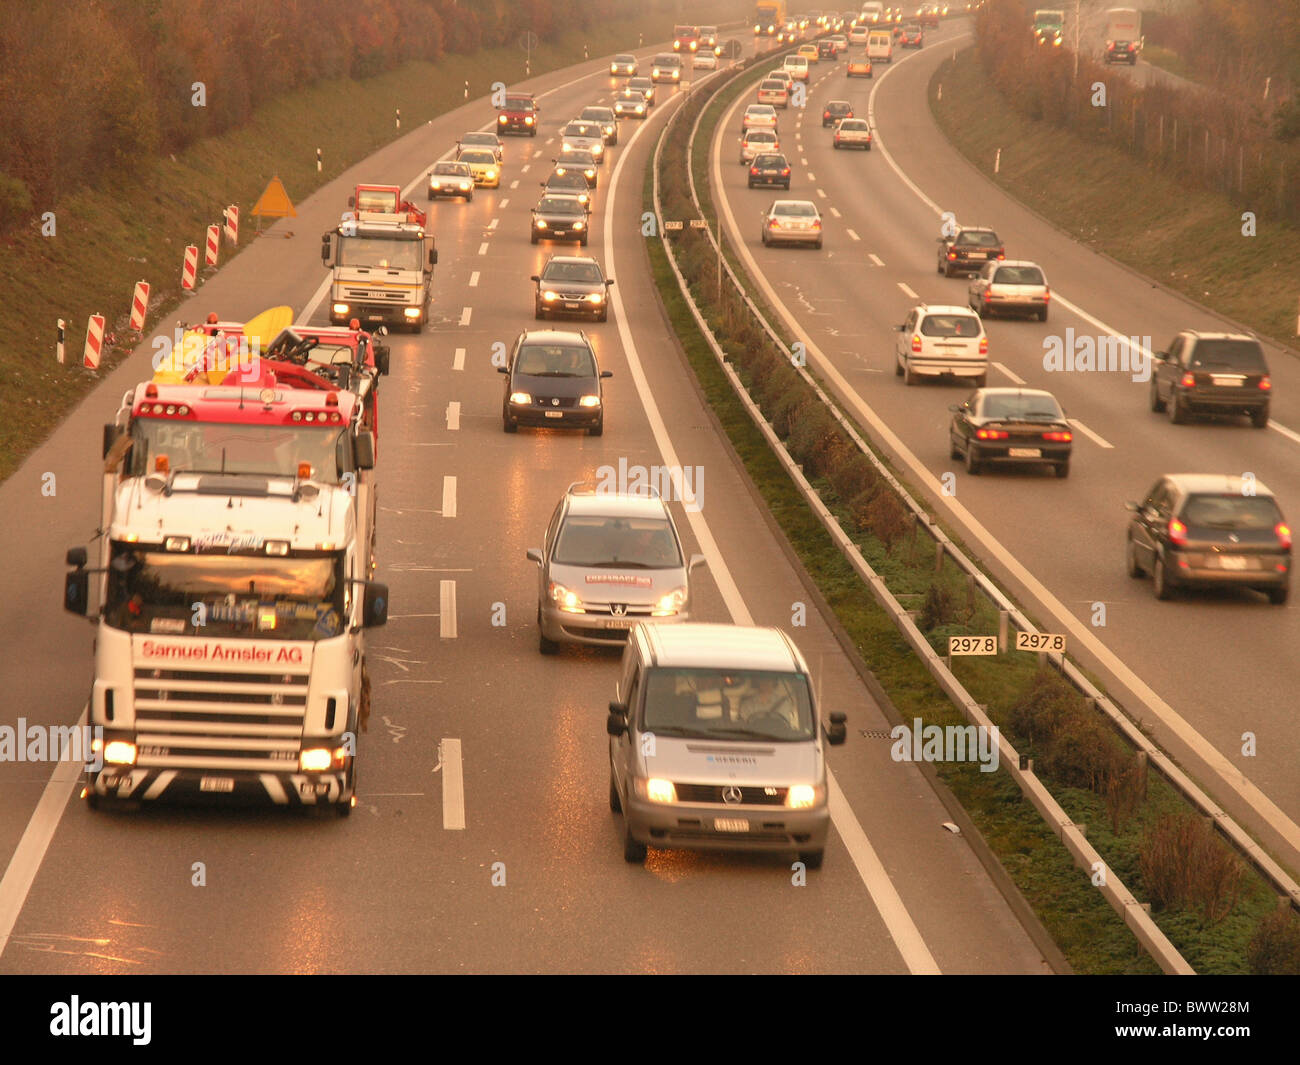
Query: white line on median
point(493, 223)
point(473, 279)
point(504, 203)
point(514, 184)
point(852, 235)
point(458, 360)
point(449, 497)
point(835, 212)
point(447, 609)
point(821, 194)
point(451, 765)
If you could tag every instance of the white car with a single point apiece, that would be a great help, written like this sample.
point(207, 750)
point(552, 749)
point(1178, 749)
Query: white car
point(853, 133)
point(796, 66)
point(942, 341)
point(793, 222)
point(1011, 286)
point(756, 142)
point(758, 116)
point(774, 92)
point(858, 34)
point(705, 60)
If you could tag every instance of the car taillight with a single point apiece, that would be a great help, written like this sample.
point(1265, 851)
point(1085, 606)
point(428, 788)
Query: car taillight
point(1177, 532)
point(786, 173)
point(1265, 383)
point(771, 224)
point(916, 344)
point(1188, 380)
point(992, 434)
point(1047, 293)
point(753, 170)
point(988, 295)
point(817, 224)
point(1001, 254)
point(984, 345)
point(1059, 436)
point(1283, 531)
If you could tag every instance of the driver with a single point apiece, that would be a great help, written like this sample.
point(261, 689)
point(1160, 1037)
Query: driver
point(769, 697)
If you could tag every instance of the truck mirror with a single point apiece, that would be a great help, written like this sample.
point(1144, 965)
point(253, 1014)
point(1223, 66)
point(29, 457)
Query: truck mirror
point(433, 256)
point(374, 610)
point(381, 358)
point(76, 591)
point(363, 450)
point(76, 557)
point(110, 438)
point(325, 244)
point(352, 201)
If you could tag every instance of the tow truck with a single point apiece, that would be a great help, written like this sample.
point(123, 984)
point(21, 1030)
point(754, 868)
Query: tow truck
point(382, 202)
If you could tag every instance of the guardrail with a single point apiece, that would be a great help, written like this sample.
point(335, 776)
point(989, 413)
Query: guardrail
point(1131, 911)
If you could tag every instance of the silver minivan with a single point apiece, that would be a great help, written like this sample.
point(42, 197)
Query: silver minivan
point(715, 743)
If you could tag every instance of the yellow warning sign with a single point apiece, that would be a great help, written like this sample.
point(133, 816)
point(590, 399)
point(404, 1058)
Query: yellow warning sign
point(274, 201)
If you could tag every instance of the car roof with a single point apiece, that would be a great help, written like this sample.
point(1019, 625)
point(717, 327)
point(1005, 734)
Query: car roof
point(1216, 483)
point(705, 645)
point(1013, 391)
point(798, 203)
point(943, 308)
point(584, 499)
point(1219, 336)
point(555, 336)
point(1016, 262)
point(974, 229)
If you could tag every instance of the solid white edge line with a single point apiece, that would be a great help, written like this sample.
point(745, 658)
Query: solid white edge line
point(452, 768)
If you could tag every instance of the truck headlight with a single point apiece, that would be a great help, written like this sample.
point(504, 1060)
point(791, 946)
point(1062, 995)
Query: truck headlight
point(322, 759)
point(411, 312)
point(340, 308)
point(588, 401)
point(119, 752)
point(803, 797)
point(578, 225)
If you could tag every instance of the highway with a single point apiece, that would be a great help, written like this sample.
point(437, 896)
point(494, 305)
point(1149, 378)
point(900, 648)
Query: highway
point(1207, 672)
point(535, 880)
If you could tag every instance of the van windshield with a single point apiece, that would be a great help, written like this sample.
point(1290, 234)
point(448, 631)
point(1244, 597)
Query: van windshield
point(769, 707)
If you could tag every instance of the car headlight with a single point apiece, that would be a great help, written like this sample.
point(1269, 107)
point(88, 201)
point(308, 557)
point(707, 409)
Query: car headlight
point(589, 174)
point(491, 173)
point(563, 598)
point(803, 797)
point(656, 789)
point(436, 184)
point(502, 119)
point(670, 604)
point(550, 296)
point(640, 109)
point(528, 121)
point(464, 186)
point(521, 399)
point(588, 401)
point(676, 74)
point(578, 225)
point(596, 297)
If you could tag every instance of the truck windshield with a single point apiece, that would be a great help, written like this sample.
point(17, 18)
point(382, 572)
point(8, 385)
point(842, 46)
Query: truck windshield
point(175, 594)
point(728, 704)
point(216, 447)
point(383, 200)
point(376, 252)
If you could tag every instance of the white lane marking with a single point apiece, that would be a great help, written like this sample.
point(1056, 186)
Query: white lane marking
point(811, 175)
point(473, 279)
point(514, 184)
point(449, 497)
point(465, 315)
point(1290, 434)
point(36, 838)
point(908, 292)
point(447, 609)
point(524, 169)
point(1002, 369)
point(504, 203)
point(1089, 433)
point(1226, 772)
point(875, 259)
point(907, 938)
point(482, 248)
point(453, 415)
point(458, 360)
point(852, 235)
point(493, 223)
point(821, 194)
point(835, 212)
point(803, 161)
point(450, 764)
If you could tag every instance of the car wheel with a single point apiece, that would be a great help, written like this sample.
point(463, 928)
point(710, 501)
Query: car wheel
point(1062, 470)
point(545, 646)
point(603, 316)
point(534, 237)
point(1177, 412)
point(1278, 596)
point(939, 268)
point(787, 186)
point(812, 859)
point(583, 242)
point(973, 464)
point(1131, 562)
point(909, 378)
point(898, 366)
point(1042, 315)
point(538, 313)
point(633, 852)
point(763, 237)
point(1157, 404)
point(598, 429)
point(868, 146)
point(750, 185)
point(818, 245)
point(509, 426)
point(953, 451)
point(1160, 580)
point(615, 803)
point(1259, 418)
point(947, 269)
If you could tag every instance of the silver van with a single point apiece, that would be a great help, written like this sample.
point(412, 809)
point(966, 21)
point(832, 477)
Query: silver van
point(715, 743)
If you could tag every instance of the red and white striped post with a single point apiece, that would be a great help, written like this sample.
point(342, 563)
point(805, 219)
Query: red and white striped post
point(58, 343)
point(191, 267)
point(94, 341)
point(214, 242)
point(232, 223)
point(139, 305)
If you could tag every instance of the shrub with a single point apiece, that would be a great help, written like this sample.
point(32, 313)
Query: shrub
point(1274, 949)
point(1184, 866)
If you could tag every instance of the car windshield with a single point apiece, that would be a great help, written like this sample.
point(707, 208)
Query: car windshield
point(838, 107)
point(555, 360)
point(219, 447)
point(728, 704)
point(582, 129)
point(950, 325)
point(1242, 355)
point(1030, 407)
point(1018, 275)
point(607, 542)
point(383, 254)
point(1251, 513)
point(477, 155)
point(560, 205)
point(797, 210)
point(588, 272)
point(519, 103)
point(761, 137)
point(488, 140)
point(624, 59)
point(455, 169)
point(774, 161)
point(211, 594)
point(980, 239)
point(567, 180)
point(597, 114)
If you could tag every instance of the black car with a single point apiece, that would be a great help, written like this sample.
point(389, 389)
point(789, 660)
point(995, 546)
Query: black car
point(572, 183)
point(583, 162)
point(560, 217)
point(826, 49)
point(570, 284)
point(1212, 373)
point(769, 168)
point(1010, 425)
point(836, 110)
point(968, 249)
point(1207, 530)
point(553, 380)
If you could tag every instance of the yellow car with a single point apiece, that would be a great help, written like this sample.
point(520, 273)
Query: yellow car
point(859, 67)
point(483, 163)
point(809, 52)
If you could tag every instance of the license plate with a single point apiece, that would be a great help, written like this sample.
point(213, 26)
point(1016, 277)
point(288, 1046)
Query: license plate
point(619, 623)
point(1024, 452)
point(571, 306)
point(374, 317)
point(217, 784)
point(977, 255)
point(1233, 561)
point(1227, 382)
point(730, 824)
point(555, 414)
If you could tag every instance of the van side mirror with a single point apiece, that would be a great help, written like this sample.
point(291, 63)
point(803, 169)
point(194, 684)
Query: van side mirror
point(374, 610)
point(696, 561)
point(363, 450)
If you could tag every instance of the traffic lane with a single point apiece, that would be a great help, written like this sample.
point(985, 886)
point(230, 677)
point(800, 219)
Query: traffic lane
point(833, 285)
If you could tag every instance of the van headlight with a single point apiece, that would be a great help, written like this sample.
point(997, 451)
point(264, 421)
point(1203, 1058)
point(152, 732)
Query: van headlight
point(566, 600)
point(670, 604)
point(655, 789)
point(804, 797)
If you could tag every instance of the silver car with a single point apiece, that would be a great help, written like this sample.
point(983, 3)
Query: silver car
point(605, 118)
point(1012, 285)
point(715, 742)
point(580, 136)
point(792, 222)
point(610, 559)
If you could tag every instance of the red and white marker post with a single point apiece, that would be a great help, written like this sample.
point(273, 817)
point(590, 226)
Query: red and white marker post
point(139, 305)
point(232, 223)
point(94, 341)
point(191, 267)
point(214, 243)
